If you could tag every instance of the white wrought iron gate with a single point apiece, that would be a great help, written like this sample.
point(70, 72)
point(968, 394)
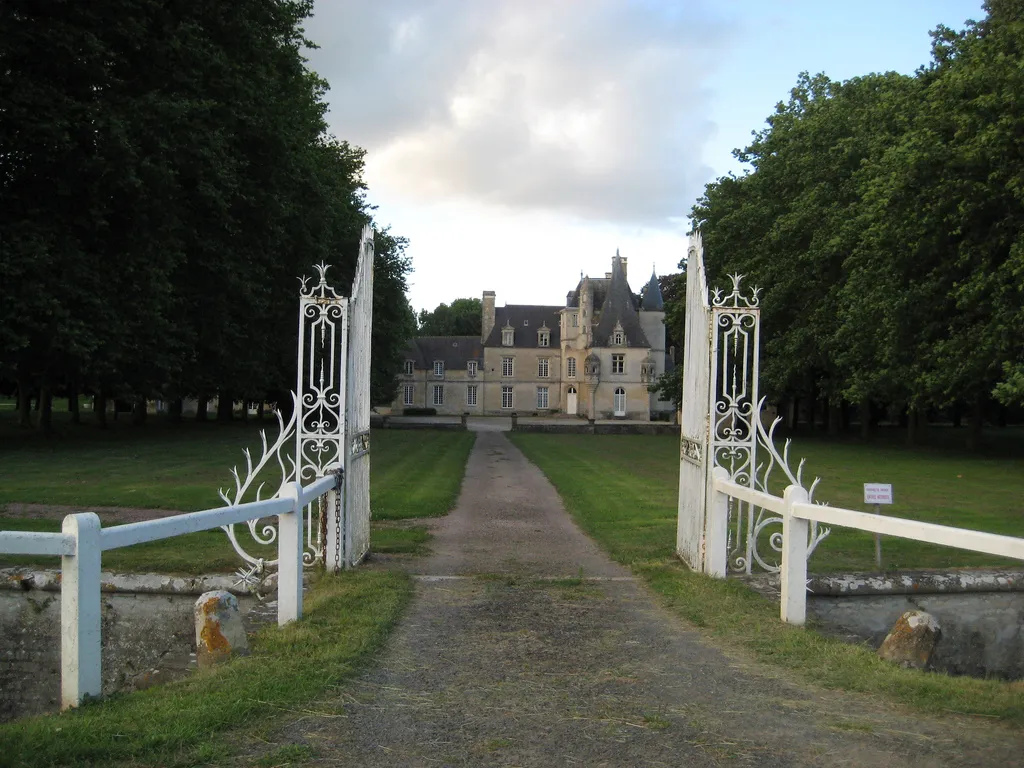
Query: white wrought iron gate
point(721, 427)
point(696, 407)
point(330, 423)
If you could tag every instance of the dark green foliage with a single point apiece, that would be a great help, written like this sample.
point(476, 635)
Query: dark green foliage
point(884, 219)
point(165, 176)
point(461, 318)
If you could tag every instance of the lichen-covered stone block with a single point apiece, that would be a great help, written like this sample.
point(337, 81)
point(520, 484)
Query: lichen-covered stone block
point(219, 630)
point(912, 640)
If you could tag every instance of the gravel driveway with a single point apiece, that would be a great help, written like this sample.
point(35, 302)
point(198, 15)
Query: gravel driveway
point(526, 646)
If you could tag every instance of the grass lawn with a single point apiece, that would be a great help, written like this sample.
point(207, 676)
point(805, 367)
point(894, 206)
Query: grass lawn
point(201, 719)
point(622, 491)
point(163, 466)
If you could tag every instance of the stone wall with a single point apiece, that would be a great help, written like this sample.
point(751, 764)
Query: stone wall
point(148, 635)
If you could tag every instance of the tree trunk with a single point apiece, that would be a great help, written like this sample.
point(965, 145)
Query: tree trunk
point(202, 402)
point(24, 396)
point(956, 414)
point(865, 418)
point(99, 409)
point(812, 412)
point(835, 416)
point(259, 411)
point(76, 415)
point(793, 413)
point(911, 426)
point(225, 407)
point(139, 410)
point(977, 423)
point(174, 410)
point(45, 406)
point(245, 410)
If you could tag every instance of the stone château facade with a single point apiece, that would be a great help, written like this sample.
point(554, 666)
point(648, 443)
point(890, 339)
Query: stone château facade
point(592, 358)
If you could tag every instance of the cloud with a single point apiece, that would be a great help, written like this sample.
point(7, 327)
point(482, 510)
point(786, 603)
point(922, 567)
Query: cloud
point(597, 108)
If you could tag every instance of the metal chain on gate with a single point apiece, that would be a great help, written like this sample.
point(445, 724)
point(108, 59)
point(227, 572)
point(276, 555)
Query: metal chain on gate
point(338, 474)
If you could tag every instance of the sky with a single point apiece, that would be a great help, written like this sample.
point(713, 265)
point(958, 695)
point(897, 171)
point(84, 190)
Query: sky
point(520, 143)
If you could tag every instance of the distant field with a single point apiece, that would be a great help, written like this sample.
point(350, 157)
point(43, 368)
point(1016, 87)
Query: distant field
point(937, 484)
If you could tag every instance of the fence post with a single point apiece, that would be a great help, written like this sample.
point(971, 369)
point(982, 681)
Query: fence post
point(289, 557)
point(80, 617)
point(716, 542)
point(794, 558)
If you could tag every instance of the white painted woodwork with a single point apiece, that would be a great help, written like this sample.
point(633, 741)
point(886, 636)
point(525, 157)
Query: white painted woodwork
point(34, 543)
point(794, 558)
point(694, 424)
point(80, 611)
point(290, 544)
point(717, 550)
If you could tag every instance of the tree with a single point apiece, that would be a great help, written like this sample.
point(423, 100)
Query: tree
point(394, 322)
point(461, 318)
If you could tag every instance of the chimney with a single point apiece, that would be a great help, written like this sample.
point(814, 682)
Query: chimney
point(487, 315)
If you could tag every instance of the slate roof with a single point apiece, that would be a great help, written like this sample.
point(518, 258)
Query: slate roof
point(526, 319)
point(619, 307)
point(455, 351)
point(652, 301)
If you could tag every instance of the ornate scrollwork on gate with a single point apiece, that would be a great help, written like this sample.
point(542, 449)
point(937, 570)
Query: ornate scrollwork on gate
point(262, 533)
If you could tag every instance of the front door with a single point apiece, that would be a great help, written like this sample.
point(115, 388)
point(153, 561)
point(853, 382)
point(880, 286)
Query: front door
point(620, 401)
point(570, 402)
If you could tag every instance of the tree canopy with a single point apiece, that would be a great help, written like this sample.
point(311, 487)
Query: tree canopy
point(165, 175)
point(884, 218)
point(461, 318)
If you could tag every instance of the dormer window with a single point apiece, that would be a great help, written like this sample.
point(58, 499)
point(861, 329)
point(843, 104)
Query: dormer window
point(408, 368)
point(526, 323)
point(439, 368)
point(543, 338)
point(507, 337)
point(618, 336)
point(471, 368)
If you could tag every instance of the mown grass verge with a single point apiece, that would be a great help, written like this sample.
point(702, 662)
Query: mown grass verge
point(190, 722)
point(629, 507)
point(413, 474)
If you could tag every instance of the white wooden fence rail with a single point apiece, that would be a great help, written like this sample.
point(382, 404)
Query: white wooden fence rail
point(83, 540)
point(797, 513)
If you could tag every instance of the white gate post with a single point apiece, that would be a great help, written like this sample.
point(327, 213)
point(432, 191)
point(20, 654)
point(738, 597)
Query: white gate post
point(794, 558)
point(80, 617)
point(716, 554)
point(289, 557)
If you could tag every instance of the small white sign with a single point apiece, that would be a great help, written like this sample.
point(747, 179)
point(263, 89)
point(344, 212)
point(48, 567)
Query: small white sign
point(877, 493)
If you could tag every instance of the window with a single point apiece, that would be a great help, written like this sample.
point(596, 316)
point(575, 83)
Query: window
point(575, 319)
point(647, 371)
point(620, 401)
point(439, 394)
point(408, 394)
point(570, 367)
point(542, 397)
point(507, 337)
point(507, 366)
point(618, 363)
point(439, 368)
point(408, 367)
point(506, 397)
point(542, 368)
point(472, 367)
point(471, 394)
point(618, 338)
point(544, 338)
point(526, 323)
